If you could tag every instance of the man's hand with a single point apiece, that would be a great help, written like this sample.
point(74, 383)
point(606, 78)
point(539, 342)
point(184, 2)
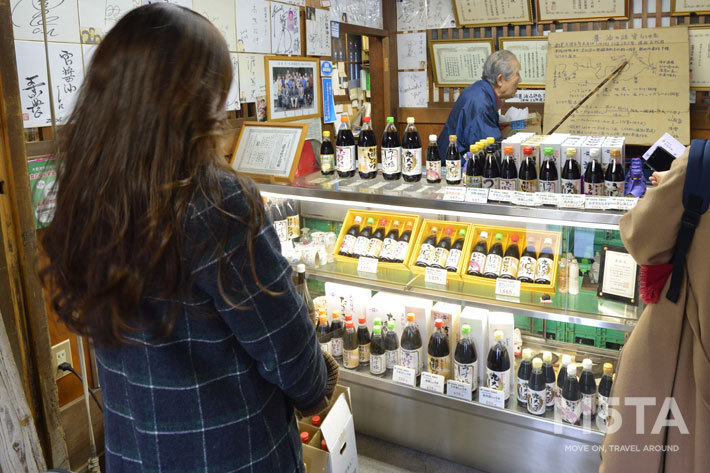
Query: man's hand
point(657, 177)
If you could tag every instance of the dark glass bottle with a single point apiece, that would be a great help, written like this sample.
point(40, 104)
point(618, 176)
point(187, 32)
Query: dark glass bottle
point(367, 151)
point(452, 262)
point(363, 240)
point(363, 340)
point(327, 155)
point(438, 352)
point(466, 359)
point(605, 391)
point(389, 245)
point(491, 170)
point(294, 220)
point(549, 371)
point(391, 346)
point(347, 248)
point(477, 262)
point(391, 152)
point(378, 363)
point(545, 263)
point(453, 162)
point(509, 173)
point(336, 333)
point(571, 402)
point(345, 152)
point(403, 243)
point(524, 371)
point(614, 179)
point(478, 160)
point(561, 377)
point(494, 260)
point(536, 389)
point(594, 176)
point(588, 387)
point(302, 289)
point(498, 366)
point(571, 181)
point(433, 162)
point(528, 263)
point(441, 252)
point(511, 259)
point(527, 177)
point(351, 349)
point(411, 153)
point(280, 219)
point(468, 163)
point(410, 346)
point(426, 251)
point(377, 240)
point(548, 173)
point(324, 334)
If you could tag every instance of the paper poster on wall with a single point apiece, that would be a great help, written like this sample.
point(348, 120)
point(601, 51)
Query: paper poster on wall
point(492, 12)
point(43, 179)
point(355, 10)
point(252, 77)
point(685, 7)
point(326, 72)
point(531, 51)
point(554, 10)
point(253, 30)
point(459, 62)
point(411, 15)
point(699, 37)
point(62, 19)
point(97, 18)
point(440, 14)
point(318, 42)
point(413, 89)
point(285, 29)
point(411, 51)
point(233, 95)
point(373, 13)
point(34, 85)
point(221, 14)
point(67, 73)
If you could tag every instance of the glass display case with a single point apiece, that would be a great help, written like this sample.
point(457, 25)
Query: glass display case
point(550, 317)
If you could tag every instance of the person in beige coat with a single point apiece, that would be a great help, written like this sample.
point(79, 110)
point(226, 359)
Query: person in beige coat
point(667, 353)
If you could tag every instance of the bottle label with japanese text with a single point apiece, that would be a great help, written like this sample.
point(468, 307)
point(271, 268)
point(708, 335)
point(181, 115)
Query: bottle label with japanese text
point(536, 402)
point(364, 354)
point(493, 264)
point(589, 405)
point(453, 170)
point(543, 271)
point(603, 412)
point(327, 162)
point(527, 185)
point(351, 358)
point(336, 346)
point(527, 267)
point(433, 170)
point(391, 162)
point(401, 251)
point(348, 245)
point(508, 184)
point(391, 358)
point(389, 247)
point(440, 365)
point(452, 262)
point(361, 246)
point(441, 255)
point(491, 183)
point(294, 226)
point(378, 364)
point(425, 254)
point(614, 189)
point(345, 158)
point(374, 250)
point(367, 158)
point(500, 380)
point(593, 189)
point(467, 373)
point(570, 411)
point(410, 359)
point(550, 394)
point(411, 161)
point(325, 347)
point(522, 390)
point(570, 186)
point(509, 267)
point(477, 262)
point(547, 186)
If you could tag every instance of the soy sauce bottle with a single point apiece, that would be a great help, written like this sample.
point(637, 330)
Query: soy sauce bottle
point(391, 347)
point(427, 250)
point(466, 359)
point(494, 260)
point(363, 240)
point(477, 261)
point(347, 248)
point(468, 163)
point(345, 153)
point(498, 366)
point(441, 252)
point(528, 263)
point(571, 402)
point(378, 363)
point(403, 243)
point(571, 182)
point(594, 176)
point(527, 177)
point(324, 334)
point(524, 372)
point(536, 389)
point(545, 263)
point(549, 372)
point(509, 173)
point(367, 151)
point(327, 155)
point(588, 387)
point(453, 162)
point(511, 259)
point(605, 391)
point(561, 377)
point(491, 170)
point(438, 353)
point(377, 240)
point(474, 171)
point(433, 162)
point(452, 262)
point(389, 245)
point(548, 173)
point(411, 153)
point(391, 152)
point(351, 351)
point(363, 340)
point(410, 346)
point(614, 179)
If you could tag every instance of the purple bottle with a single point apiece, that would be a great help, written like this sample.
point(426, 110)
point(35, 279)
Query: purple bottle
point(635, 185)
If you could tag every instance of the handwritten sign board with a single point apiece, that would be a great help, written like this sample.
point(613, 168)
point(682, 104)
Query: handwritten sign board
point(97, 18)
point(253, 30)
point(67, 73)
point(411, 15)
point(252, 77)
point(62, 20)
point(555, 10)
point(459, 63)
point(532, 54)
point(492, 12)
point(221, 15)
point(440, 14)
point(644, 101)
point(285, 30)
point(33, 79)
point(699, 38)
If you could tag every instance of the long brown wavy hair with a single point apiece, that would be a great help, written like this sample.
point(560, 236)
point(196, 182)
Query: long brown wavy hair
point(142, 140)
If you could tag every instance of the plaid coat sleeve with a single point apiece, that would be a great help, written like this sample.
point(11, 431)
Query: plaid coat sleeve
point(273, 329)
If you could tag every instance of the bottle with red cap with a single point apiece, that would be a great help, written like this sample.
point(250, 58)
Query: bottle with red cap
point(345, 152)
point(410, 346)
point(316, 421)
point(305, 437)
point(351, 349)
point(438, 353)
point(511, 259)
point(363, 340)
point(367, 151)
point(527, 177)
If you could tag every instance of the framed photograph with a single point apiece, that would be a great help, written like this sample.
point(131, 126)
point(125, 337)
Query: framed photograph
point(556, 10)
point(269, 152)
point(686, 7)
point(459, 62)
point(492, 12)
point(292, 88)
point(618, 275)
point(699, 39)
point(531, 51)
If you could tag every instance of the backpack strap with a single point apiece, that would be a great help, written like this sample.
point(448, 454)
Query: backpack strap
point(696, 197)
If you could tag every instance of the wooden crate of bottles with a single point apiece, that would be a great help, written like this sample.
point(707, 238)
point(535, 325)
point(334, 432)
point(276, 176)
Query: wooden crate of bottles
point(538, 236)
point(425, 231)
point(404, 220)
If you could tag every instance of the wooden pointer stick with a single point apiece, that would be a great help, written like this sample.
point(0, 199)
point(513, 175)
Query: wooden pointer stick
point(616, 71)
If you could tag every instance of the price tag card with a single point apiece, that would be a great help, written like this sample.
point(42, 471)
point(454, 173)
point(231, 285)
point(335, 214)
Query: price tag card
point(548, 198)
point(624, 203)
point(529, 199)
point(508, 287)
point(459, 390)
point(318, 180)
point(572, 201)
point(436, 276)
point(367, 265)
point(456, 194)
point(402, 187)
point(597, 202)
point(406, 376)
point(497, 195)
point(432, 382)
point(491, 397)
point(378, 185)
point(476, 196)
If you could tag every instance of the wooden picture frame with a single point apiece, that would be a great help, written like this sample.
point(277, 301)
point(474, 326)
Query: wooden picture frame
point(695, 82)
point(525, 83)
point(618, 275)
point(542, 7)
point(290, 104)
point(483, 20)
point(455, 50)
point(685, 11)
point(255, 153)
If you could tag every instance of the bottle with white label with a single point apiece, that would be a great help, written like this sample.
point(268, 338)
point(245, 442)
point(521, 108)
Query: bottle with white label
point(411, 153)
point(336, 335)
point(452, 262)
point(547, 182)
point(374, 250)
point(391, 152)
point(441, 252)
point(528, 263)
point(345, 153)
point(545, 263)
point(524, 371)
point(411, 346)
point(438, 353)
point(561, 377)
point(509, 172)
point(389, 244)
point(351, 349)
point(571, 401)
point(511, 259)
point(494, 260)
point(327, 155)
point(536, 389)
point(391, 347)
point(367, 151)
point(498, 368)
point(347, 247)
point(403, 243)
point(426, 252)
point(453, 162)
point(363, 240)
point(549, 372)
point(466, 359)
point(477, 262)
point(433, 162)
point(588, 387)
point(323, 333)
point(378, 362)
point(605, 391)
point(571, 181)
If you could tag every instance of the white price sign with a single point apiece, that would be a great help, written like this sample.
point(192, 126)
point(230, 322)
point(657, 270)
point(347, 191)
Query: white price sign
point(624, 203)
point(432, 382)
point(491, 397)
point(497, 195)
point(508, 287)
point(572, 201)
point(459, 390)
point(597, 203)
point(435, 275)
point(367, 265)
point(476, 196)
point(456, 194)
point(529, 199)
point(406, 376)
point(548, 198)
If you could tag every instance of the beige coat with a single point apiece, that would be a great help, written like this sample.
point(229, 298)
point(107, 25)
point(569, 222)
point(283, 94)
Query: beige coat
point(667, 353)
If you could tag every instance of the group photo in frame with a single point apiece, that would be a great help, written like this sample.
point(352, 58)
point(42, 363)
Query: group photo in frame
point(292, 88)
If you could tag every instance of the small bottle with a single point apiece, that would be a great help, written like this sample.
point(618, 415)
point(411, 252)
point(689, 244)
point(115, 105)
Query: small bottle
point(475, 169)
point(294, 220)
point(351, 350)
point(528, 263)
point(438, 353)
point(524, 372)
point(511, 259)
point(498, 366)
point(441, 252)
point(549, 371)
point(453, 162)
point(305, 437)
point(509, 172)
point(614, 179)
point(280, 219)
point(562, 276)
point(543, 272)
point(391, 347)
point(426, 251)
point(593, 175)
point(452, 262)
point(468, 166)
point(494, 260)
point(433, 162)
point(363, 240)
point(466, 359)
point(548, 173)
point(571, 402)
point(527, 177)
point(363, 341)
point(302, 288)
point(561, 377)
point(573, 271)
point(367, 151)
point(378, 362)
point(403, 244)
point(588, 387)
point(411, 153)
point(491, 170)
point(347, 248)
point(324, 334)
point(477, 263)
point(377, 240)
point(327, 155)
point(536, 389)
point(571, 182)
point(391, 152)
point(389, 245)
point(345, 152)
point(605, 391)
point(410, 346)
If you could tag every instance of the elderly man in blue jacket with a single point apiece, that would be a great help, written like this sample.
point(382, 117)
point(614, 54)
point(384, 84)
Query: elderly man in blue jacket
point(475, 113)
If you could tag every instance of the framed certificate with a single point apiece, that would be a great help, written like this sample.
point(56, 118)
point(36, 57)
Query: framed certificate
point(556, 10)
point(531, 51)
point(459, 62)
point(269, 151)
point(492, 12)
point(292, 88)
point(618, 275)
point(699, 39)
point(686, 7)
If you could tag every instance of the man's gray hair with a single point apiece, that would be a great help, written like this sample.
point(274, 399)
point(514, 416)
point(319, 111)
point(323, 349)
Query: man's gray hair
point(500, 62)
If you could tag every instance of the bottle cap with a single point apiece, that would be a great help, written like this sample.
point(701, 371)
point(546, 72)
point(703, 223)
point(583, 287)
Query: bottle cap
point(472, 148)
point(594, 153)
point(382, 222)
point(615, 153)
point(349, 324)
point(527, 354)
point(452, 138)
point(323, 445)
point(515, 239)
point(343, 118)
point(410, 120)
point(323, 318)
point(466, 329)
point(547, 242)
point(537, 364)
point(370, 220)
point(326, 134)
point(549, 151)
point(438, 323)
point(361, 320)
point(490, 140)
point(301, 268)
point(335, 314)
point(390, 119)
point(390, 325)
point(434, 229)
point(547, 356)
point(377, 329)
point(462, 232)
point(348, 317)
point(483, 235)
point(304, 437)
point(566, 360)
point(527, 150)
point(586, 364)
point(571, 152)
point(315, 420)
point(366, 119)
point(409, 225)
point(499, 237)
point(376, 322)
point(498, 335)
point(608, 368)
point(508, 150)
point(571, 370)
point(410, 317)
point(448, 231)
point(358, 219)
point(395, 224)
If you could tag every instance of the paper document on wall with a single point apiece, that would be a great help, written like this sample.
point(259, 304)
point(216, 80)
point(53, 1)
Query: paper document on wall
point(34, 84)
point(411, 51)
point(252, 78)
point(413, 89)
point(440, 14)
point(699, 57)
point(67, 74)
point(62, 20)
point(233, 94)
point(533, 59)
point(221, 14)
point(253, 31)
point(285, 29)
point(97, 18)
point(411, 15)
point(318, 42)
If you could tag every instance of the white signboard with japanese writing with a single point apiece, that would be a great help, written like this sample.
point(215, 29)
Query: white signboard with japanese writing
point(34, 84)
point(532, 54)
point(459, 63)
point(253, 30)
point(67, 73)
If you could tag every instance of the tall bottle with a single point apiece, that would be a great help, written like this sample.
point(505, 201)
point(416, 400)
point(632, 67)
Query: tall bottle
point(545, 263)
point(491, 170)
point(389, 245)
point(391, 347)
point(524, 372)
point(351, 349)
point(466, 359)
point(403, 243)
point(336, 335)
point(605, 391)
point(410, 346)
point(367, 150)
point(411, 153)
point(377, 240)
point(280, 219)
point(561, 377)
point(474, 168)
point(509, 173)
point(327, 155)
point(452, 262)
point(511, 259)
point(549, 372)
point(441, 252)
point(571, 402)
point(498, 369)
point(468, 162)
point(345, 153)
point(302, 289)
point(614, 179)
point(363, 341)
point(571, 182)
point(536, 389)
point(438, 353)
point(528, 263)
point(294, 220)
point(391, 152)
point(453, 162)
point(426, 251)
point(378, 362)
point(548, 172)
point(494, 260)
point(324, 334)
point(527, 177)
point(433, 162)
point(477, 262)
point(588, 387)
point(593, 175)
point(363, 240)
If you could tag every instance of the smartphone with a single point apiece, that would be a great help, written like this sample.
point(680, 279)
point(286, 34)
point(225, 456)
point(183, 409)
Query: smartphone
point(660, 160)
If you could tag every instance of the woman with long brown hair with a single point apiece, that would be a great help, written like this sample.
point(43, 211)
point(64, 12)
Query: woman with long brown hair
point(163, 256)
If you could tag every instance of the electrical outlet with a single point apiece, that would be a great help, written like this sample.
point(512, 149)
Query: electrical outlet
point(61, 352)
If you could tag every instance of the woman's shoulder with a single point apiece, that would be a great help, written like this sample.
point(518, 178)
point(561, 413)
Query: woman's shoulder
point(221, 191)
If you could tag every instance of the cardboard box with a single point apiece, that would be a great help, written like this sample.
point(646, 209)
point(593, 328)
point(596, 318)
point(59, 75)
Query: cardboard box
point(346, 300)
point(575, 142)
point(516, 141)
point(532, 124)
point(555, 141)
point(610, 143)
point(477, 319)
point(590, 143)
point(388, 307)
point(449, 314)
